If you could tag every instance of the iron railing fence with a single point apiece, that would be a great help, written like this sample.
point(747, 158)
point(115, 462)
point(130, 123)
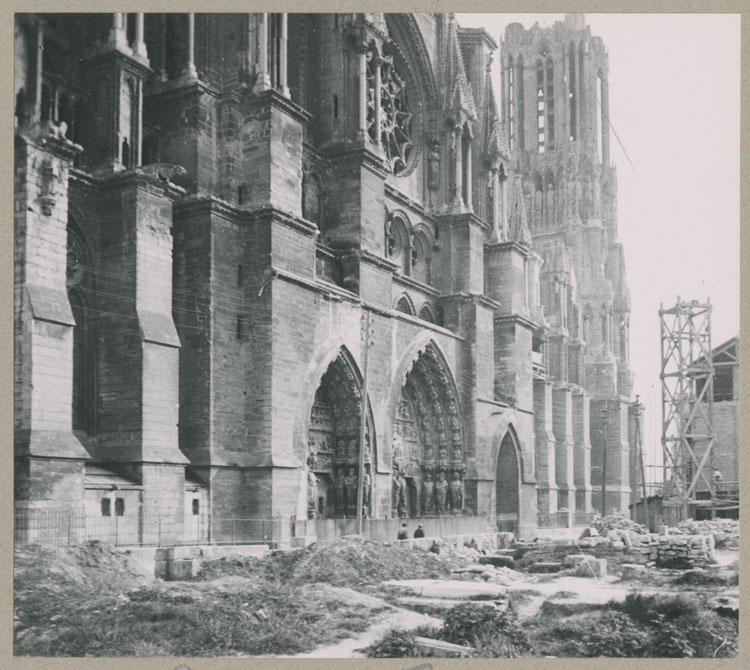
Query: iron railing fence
point(64, 527)
point(565, 519)
point(386, 530)
point(141, 528)
point(553, 520)
point(583, 518)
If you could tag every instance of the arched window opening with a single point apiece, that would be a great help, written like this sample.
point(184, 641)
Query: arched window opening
point(76, 131)
point(130, 26)
point(511, 104)
point(549, 198)
point(274, 49)
point(420, 258)
point(598, 114)
point(134, 130)
point(582, 79)
point(572, 93)
point(175, 44)
point(540, 104)
point(46, 103)
point(397, 243)
point(550, 104)
point(538, 210)
point(150, 147)
point(520, 104)
point(125, 153)
point(404, 305)
point(65, 114)
point(427, 314)
point(466, 181)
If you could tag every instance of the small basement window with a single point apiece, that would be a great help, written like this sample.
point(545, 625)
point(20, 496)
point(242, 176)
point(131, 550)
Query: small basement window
point(196, 506)
point(106, 507)
point(119, 506)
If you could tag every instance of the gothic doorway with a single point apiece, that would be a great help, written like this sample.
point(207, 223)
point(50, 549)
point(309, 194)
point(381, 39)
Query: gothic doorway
point(333, 444)
point(427, 442)
point(506, 485)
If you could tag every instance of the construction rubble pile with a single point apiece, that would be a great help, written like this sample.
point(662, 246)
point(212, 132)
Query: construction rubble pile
point(726, 532)
point(617, 522)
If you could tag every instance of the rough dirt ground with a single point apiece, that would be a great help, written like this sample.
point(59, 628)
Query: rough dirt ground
point(348, 572)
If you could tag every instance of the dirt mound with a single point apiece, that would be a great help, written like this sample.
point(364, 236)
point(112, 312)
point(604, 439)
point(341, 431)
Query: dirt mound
point(276, 566)
point(349, 562)
point(357, 561)
point(85, 567)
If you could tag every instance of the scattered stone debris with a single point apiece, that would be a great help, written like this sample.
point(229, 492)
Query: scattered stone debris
point(724, 531)
point(726, 606)
point(632, 571)
point(594, 568)
point(617, 522)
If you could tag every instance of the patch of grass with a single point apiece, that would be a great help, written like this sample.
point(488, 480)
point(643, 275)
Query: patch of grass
point(250, 620)
point(642, 608)
point(670, 626)
point(474, 625)
point(550, 608)
point(700, 578)
point(395, 643)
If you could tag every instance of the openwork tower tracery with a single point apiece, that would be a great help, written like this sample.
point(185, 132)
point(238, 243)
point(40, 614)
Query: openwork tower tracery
point(395, 112)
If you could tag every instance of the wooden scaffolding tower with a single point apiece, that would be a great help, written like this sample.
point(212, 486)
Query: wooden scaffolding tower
point(687, 380)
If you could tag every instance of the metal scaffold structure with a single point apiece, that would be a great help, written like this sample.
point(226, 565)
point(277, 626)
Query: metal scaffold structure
point(687, 379)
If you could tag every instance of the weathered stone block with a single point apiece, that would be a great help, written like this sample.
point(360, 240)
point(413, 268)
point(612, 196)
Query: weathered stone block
point(595, 568)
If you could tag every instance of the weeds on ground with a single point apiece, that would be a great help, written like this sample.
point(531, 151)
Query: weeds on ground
point(654, 626)
point(395, 643)
point(485, 628)
point(705, 578)
point(198, 621)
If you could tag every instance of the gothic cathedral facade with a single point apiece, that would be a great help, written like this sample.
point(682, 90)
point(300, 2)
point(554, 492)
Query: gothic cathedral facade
point(226, 224)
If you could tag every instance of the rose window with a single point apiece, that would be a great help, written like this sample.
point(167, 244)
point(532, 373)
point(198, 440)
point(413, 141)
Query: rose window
point(395, 115)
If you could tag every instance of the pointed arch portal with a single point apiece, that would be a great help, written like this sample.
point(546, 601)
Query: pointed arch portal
point(506, 483)
point(333, 438)
point(427, 450)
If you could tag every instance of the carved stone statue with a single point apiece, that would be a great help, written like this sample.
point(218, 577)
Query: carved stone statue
point(457, 492)
point(550, 206)
point(433, 162)
point(428, 489)
point(340, 491)
point(441, 493)
point(366, 484)
point(400, 494)
point(312, 494)
point(350, 481)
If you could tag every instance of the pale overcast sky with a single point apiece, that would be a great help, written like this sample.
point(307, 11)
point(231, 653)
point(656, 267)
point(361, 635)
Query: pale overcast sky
point(674, 91)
